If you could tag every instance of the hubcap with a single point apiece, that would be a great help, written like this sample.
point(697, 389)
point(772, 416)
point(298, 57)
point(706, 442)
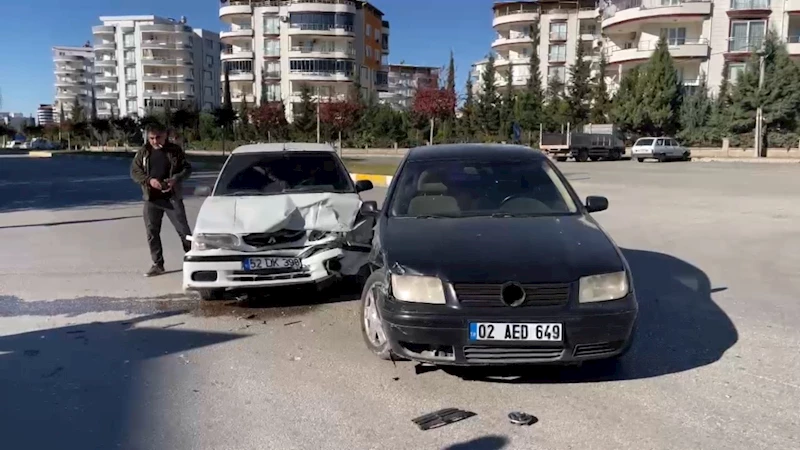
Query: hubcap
point(372, 320)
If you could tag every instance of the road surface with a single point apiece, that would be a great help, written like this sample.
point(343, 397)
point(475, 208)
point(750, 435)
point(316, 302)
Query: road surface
point(99, 357)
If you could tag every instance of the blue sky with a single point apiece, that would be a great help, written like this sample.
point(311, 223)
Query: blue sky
point(422, 32)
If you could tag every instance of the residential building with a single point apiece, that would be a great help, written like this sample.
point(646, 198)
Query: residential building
point(274, 47)
point(404, 80)
point(45, 115)
point(706, 38)
point(562, 24)
point(146, 63)
point(16, 121)
point(74, 73)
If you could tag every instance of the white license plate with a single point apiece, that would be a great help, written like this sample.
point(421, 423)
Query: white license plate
point(549, 332)
point(271, 263)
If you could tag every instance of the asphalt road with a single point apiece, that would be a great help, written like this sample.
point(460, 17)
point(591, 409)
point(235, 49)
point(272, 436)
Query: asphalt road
point(98, 357)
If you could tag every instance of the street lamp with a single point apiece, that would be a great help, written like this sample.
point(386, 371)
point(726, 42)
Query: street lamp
point(759, 112)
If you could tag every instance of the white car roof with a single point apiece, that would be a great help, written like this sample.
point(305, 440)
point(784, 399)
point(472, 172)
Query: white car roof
point(284, 147)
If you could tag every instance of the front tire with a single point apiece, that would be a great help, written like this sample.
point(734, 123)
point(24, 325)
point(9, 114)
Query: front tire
point(614, 155)
point(211, 294)
point(561, 158)
point(583, 156)
point(371, 323)
point(640, 159)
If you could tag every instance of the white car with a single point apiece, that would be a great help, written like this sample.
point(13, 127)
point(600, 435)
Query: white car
point(278, 215)
point(660, 148)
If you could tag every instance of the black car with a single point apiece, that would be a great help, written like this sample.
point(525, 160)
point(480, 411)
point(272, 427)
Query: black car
point(484, 254)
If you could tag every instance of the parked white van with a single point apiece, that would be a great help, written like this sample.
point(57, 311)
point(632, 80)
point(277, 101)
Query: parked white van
point(660, 148)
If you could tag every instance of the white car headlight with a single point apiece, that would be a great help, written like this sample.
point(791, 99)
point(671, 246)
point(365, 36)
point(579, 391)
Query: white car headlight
point(604, 287)
point(211, 241)
point(417, 289)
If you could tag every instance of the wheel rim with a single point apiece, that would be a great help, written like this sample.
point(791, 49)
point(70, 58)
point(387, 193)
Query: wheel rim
point(373, 326)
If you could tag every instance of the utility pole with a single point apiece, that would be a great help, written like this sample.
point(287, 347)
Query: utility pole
point(759, 111)
point(318, 124)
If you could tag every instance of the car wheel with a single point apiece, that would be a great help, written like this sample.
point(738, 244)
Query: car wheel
point(561, 158)
point(594, 158)
point(371, 322)
point(583, 156)
point(640, 159)
point(662, 158)
point(211, 294)
point(686, 157)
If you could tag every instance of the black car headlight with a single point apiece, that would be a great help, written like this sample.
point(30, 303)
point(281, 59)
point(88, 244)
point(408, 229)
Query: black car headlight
point(418, 289)
point(603, 287)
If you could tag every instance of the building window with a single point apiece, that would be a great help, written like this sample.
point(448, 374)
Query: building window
point(129, 40)
point(130, 90)
point(322, 21)
point(558, 31)
point(321, 66)
point(747, 35)
point(272, 25)
point(132, 107)
point(369, 52)
point(209, 44)
point(377, 35)
point(209, 91)
point(207, 76)
point(235, 67)
point(209, 61)
point(130, 56)
point(558, 53)
point(272, 47)
point(272, 69)
point(273, 92)
point(735, 70)
point(560, 72)
point(674, 36)
point(130, 73)
point(369, 30)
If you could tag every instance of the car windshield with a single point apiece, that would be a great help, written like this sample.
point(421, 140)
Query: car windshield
point(281, 173)
point(429, 189)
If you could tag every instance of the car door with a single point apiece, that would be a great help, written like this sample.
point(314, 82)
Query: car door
point(677, 149)
point(659, 147)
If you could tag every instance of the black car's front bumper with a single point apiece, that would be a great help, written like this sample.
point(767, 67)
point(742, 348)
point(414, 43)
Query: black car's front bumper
point(440, 334)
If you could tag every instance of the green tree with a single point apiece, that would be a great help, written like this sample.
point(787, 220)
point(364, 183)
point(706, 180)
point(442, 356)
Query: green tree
point(579, 89)
point(488, 108)
point(77, 113)
point(627, 103)
point(305, 117)
point(661, 92)
point(466, 123)
point(530, 101)
point(695, 117)
point(449, 122)
point(507, 107)
point(601, 103)
point(720, 114)
point(556, 108)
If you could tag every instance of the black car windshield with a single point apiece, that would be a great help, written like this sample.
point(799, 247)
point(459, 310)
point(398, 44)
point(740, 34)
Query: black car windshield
point(281, 173)
point(458, 188)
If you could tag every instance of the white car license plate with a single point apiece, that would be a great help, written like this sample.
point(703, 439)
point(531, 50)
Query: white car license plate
point(271, 263)
point(549, 332)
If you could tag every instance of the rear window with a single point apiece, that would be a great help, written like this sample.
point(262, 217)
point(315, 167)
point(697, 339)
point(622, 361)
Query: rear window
point(280, 173)
point(644, 142)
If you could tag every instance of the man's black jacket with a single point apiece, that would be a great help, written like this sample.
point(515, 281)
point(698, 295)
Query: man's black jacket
point(179, 168)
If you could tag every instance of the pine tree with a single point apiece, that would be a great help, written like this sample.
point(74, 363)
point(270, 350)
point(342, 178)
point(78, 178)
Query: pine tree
point(77, 113)
point(556, 108)
point(601, 103)
point(305, 116)
point(507, 107)
point(661, 92)
point(626, 107)
point(695, 116)
point(579, 88)
point(466, 123)
point(530, 101)
point(488, 108)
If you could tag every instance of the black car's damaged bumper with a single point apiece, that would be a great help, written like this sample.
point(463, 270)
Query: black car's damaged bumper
point(590, 332)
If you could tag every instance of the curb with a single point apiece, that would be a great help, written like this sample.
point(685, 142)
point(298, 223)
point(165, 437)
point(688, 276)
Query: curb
point(377, 180)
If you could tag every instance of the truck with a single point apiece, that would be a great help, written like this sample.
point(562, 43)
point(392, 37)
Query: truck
point(594, 141)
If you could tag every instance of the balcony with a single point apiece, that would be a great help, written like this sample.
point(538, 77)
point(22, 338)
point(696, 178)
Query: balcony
point(242, 33)
point(503, 62)
point(105, 79)
point(105, 46)
point(239, 75)
point(239, 97)
point(107, 95)
point(515, 14)
point(338, 6)
point(103, 30)
point(511, 41)
point(321, 29)
point(105, 63)
point(166, 45)
point(321, 76)
point(685, 48)
point(749, 8)
point(70, 83)
point(297, 97)
point(299, 51)
point(628, 15)
point(793, 45)
point(234, 10)
point(159, 94)
point(68, 58)
point(166, 28)
point(166, 62)
point(170, 79)
point(236, 53)
point(272, 75)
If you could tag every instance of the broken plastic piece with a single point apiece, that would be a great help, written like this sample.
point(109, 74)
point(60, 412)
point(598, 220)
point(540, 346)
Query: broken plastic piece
point(441, 418)
point(521, 418)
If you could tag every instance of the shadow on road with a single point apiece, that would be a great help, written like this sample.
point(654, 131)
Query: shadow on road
point(69, 222)
point(680, 328)
point(81, 383)
point(492, 442)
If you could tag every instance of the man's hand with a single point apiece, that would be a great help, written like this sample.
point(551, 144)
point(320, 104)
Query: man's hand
point(171, 183)
point(155, 184)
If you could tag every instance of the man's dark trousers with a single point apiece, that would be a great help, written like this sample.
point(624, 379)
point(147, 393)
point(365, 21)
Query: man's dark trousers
point(153, 217)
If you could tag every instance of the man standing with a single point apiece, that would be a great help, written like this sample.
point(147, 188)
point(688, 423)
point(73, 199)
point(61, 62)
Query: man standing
point(160, 167)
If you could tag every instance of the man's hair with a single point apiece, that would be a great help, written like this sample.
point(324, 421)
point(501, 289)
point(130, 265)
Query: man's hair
point(156, 128)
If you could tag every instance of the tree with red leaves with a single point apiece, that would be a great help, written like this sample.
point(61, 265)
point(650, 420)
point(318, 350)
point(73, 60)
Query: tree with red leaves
point(339, 115)
point(434, 103)
point(269, 119)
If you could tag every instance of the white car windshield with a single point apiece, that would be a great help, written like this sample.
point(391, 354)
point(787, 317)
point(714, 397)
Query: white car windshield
point(461, 188)
point(281, 173)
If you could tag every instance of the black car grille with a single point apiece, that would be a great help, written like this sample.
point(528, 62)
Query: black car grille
point(482, 295)
point(510, 355)
point(277, 238)
point(597, 349)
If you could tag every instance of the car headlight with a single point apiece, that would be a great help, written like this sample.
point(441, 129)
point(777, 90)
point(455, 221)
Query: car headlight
point(210, 241)
point(604, 287)
point(417, 289)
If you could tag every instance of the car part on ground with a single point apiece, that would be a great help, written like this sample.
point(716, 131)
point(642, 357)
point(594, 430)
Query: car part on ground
point(521, 418)
point(441, 418)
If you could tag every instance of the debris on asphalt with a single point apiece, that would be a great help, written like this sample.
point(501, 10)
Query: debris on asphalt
point(521, 418)
point(174, 325)
point(31, 352)
point(76, 332)
point(294, 358)
point(424, 368)
point(441, 418)
point(55, 372)
point(184, 359)
point(292, 323)
point(396, 378)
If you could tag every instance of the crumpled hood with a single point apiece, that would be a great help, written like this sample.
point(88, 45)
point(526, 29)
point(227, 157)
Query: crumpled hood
point(263, 214)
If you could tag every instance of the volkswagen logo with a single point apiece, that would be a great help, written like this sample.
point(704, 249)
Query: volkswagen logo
point(512, 294)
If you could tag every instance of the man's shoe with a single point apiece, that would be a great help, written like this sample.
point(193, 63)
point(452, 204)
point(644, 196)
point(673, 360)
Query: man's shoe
point(154, 271)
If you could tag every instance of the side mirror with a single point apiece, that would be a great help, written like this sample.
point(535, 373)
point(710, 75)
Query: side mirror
point(596, 203)
point(369, 209)
point(202, 191)
point(363, 185)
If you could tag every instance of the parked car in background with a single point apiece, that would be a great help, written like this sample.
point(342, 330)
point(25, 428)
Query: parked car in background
point(278, 215)
point(660, 148)
point(594, 142)
point(42, 144)
point(16, 145)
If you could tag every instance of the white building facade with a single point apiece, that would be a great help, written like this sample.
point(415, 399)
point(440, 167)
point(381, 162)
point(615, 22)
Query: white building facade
point(45, 115)
point(705, 37)
point(74, 77)
point(273, 48)
point(148, 63)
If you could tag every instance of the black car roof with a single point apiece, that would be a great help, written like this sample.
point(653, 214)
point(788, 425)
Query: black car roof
point(469, 151)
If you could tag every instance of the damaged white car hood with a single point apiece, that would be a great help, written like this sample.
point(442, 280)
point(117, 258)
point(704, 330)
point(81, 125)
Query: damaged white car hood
point(331, 212)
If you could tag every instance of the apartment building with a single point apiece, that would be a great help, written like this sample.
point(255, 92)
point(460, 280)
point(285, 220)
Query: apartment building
point(274, 47)
point(705, 37)
point(74, 76)
point(404, 80)
point(146, 63)
point(45, 115)
point(562, 24)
